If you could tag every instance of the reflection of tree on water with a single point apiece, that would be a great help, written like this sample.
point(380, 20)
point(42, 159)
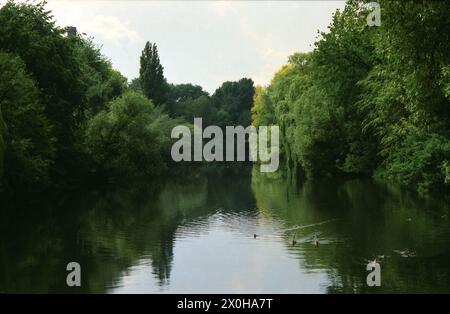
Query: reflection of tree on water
point(135, 224)
point(111, 232)
point(107, 232)
point(370, 220)
point(150, 223)
point(104, 231)
point(139, 224)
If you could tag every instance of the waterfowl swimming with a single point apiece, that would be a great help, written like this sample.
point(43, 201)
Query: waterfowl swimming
point(405, 253)
point(316, 242)
point(294, 242)
point(254, 236)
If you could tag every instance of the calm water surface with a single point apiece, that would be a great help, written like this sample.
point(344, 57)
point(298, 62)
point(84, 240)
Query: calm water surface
point(197, 237)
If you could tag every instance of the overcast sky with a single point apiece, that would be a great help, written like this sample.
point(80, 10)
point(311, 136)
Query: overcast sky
point(200, 42)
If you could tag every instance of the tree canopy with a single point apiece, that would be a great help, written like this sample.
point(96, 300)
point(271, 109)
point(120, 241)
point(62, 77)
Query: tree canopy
point(368, 100)
point(151, 75)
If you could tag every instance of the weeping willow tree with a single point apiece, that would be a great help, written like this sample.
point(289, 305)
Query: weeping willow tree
point(368, 100)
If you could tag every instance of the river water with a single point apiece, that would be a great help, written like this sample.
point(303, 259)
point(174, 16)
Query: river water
point(198, 237)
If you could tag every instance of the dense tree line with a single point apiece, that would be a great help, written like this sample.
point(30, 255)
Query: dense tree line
point(66, 114)
point(230, 104)
point(368, 100)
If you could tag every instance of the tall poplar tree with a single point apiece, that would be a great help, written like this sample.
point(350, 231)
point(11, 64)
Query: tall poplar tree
point(151, 77)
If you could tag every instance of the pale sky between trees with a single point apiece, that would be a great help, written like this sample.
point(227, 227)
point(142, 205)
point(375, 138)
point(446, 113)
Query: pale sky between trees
point(202, 42)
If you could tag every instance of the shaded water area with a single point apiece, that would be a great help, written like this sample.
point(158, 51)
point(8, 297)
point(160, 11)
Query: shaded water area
point(198, 237)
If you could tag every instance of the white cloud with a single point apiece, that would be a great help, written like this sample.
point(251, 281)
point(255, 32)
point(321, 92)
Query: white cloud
point(203, 42)
point(220, 8)
point(88, 18)
point(111, 28)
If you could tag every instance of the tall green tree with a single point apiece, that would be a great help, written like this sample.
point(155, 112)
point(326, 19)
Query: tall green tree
point(406, 95)
point(29, 31)
point(151, 75)
point(369, 100)
point(130, 138)
point(26, 139)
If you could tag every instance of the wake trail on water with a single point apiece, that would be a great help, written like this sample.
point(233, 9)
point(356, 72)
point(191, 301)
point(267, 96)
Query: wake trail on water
point(280, 232)
point(308, 226)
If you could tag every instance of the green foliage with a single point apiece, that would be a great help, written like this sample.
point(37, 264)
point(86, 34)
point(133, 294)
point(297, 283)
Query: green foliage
point(189, 101)
point(102, 82)
point(367, 99)
point(26, 141)
point(28, 30)
point(135, 85)
point(2, 146)
point(446, 172)
point(129, 137)
point(65, 112)
point(184, 92)
point(420, 159)
point(405, 96)
point(229, 105)
point(152, 81)
point(69, 81)
point(233, 102)
point(262, 110)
